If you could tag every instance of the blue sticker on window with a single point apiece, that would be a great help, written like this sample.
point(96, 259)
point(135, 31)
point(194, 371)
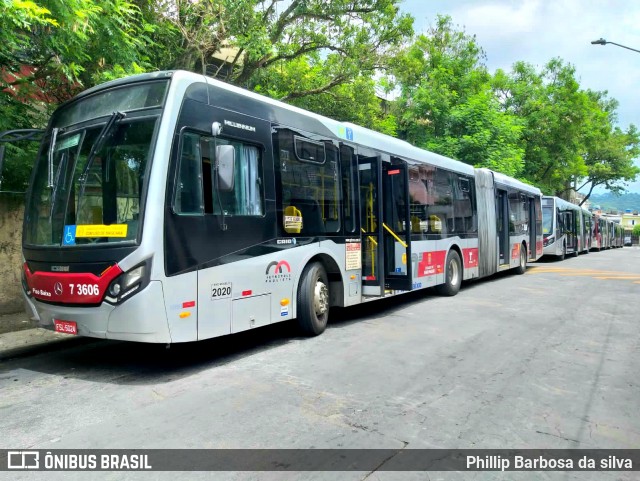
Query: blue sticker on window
point(69, 237)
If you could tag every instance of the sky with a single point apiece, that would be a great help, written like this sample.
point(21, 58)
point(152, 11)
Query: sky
point(536, 31)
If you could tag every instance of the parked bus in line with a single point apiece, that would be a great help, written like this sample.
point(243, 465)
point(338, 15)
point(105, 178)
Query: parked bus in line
point(171, 207)
point(605, 233)
point(587, 223)
point(599, 233)
point(565, 226)
point(619, 235)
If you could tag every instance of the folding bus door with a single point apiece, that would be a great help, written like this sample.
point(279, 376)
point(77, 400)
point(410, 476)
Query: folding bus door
point(370, 188)
point(397, 226)
point(502, 226)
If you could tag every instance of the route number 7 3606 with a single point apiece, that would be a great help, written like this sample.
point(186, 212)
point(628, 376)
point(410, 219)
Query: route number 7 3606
point(84, 289)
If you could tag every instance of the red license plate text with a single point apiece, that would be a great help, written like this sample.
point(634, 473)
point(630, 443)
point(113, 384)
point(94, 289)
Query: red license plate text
point(66, 327)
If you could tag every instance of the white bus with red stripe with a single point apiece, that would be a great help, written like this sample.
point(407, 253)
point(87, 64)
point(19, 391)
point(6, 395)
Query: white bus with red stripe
point(170, 207)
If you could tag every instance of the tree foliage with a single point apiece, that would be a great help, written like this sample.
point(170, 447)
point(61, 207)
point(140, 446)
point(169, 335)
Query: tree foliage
point(331, 58)
point(447, 104)
point(569, 136)
point(55, 49)
point(338, 40)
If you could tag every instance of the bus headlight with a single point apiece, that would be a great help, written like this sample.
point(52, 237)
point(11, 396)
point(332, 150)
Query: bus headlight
point(549, 240)
point(128, 283)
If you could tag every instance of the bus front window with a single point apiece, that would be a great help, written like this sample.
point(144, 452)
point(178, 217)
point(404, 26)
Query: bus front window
point(547, 221)
point(96, 188)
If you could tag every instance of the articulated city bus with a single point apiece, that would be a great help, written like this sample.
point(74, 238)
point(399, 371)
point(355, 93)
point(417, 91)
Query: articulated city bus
point(171, 207)
point(565, 226)
point(604, 233)
point(618, 235)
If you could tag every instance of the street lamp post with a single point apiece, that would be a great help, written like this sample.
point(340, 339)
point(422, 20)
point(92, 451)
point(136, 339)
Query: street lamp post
point(602, 41)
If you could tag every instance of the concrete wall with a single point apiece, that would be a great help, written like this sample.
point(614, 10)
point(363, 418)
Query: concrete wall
point(11, 213)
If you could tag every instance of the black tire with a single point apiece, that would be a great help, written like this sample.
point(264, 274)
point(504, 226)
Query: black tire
point(452, 275)
point(313, 300)
point(522, 266)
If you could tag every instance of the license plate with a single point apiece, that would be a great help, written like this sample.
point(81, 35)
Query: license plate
point(66, 327)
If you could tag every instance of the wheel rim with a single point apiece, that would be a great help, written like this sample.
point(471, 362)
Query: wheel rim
point(454, 273)
point(320, 298)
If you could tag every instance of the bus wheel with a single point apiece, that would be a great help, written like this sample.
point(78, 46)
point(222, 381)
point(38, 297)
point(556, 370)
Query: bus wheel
point(313, 300)
point(452, 275)
point(564, 252)
point(522, 267)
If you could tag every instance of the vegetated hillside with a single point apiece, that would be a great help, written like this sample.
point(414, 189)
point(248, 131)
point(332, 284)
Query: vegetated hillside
point(610, 201)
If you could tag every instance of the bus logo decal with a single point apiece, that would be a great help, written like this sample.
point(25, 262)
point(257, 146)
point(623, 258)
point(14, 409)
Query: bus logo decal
point(281, 271)
point(279, 266)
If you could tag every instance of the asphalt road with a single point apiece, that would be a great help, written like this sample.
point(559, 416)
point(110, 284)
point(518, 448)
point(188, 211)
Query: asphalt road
point(549, 359)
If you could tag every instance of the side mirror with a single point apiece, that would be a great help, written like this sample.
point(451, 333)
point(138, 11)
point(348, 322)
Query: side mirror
point(226, 159)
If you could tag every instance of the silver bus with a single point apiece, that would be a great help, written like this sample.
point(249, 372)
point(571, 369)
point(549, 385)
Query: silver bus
point(566, 227)
point(170, 207)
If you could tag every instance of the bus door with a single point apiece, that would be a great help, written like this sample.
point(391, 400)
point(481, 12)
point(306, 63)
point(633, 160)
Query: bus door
point(386, 250)
point(370, 186)
point(574, 228)
point(532, 227)
point(502, 226)
point(397, 226)
point(569, 222)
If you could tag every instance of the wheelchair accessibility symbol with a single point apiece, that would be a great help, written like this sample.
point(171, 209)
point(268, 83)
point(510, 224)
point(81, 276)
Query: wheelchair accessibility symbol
point(69, 237)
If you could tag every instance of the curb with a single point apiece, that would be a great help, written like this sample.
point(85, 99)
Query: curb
point(30, 342)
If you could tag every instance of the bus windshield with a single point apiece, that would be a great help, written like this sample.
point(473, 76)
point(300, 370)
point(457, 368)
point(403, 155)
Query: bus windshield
point(547, 221)
point(83, 194)
point(87, 185)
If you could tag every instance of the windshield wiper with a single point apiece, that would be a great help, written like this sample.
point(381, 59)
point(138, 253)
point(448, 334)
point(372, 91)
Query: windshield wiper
point(51, 153)
point(96, 147)
point(57, 183)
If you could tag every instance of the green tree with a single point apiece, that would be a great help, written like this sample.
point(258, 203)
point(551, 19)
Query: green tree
point(54, 50)
point(609, 150)
point(569, 136)
point(636, 230)
point(553, 111)
point(328, 43)
point(448, 104)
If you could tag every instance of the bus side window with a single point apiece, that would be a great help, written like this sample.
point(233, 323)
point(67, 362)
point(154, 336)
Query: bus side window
point(246, 196)
point(310, 183)
point(441, 210)
point(188, 192)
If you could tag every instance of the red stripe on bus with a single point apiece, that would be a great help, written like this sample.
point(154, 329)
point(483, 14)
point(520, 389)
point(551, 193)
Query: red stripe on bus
point(432, 263)
point(515, 251)
point(470, 257)
point(70, 287)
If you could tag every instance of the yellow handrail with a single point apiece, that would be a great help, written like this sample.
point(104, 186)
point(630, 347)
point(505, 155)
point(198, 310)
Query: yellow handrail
point(394, 235)
point(369, 237)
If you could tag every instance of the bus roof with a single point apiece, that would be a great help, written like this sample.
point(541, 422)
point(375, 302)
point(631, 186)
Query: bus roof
point(356, 134)
point(563, 204)
point(511, 182)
